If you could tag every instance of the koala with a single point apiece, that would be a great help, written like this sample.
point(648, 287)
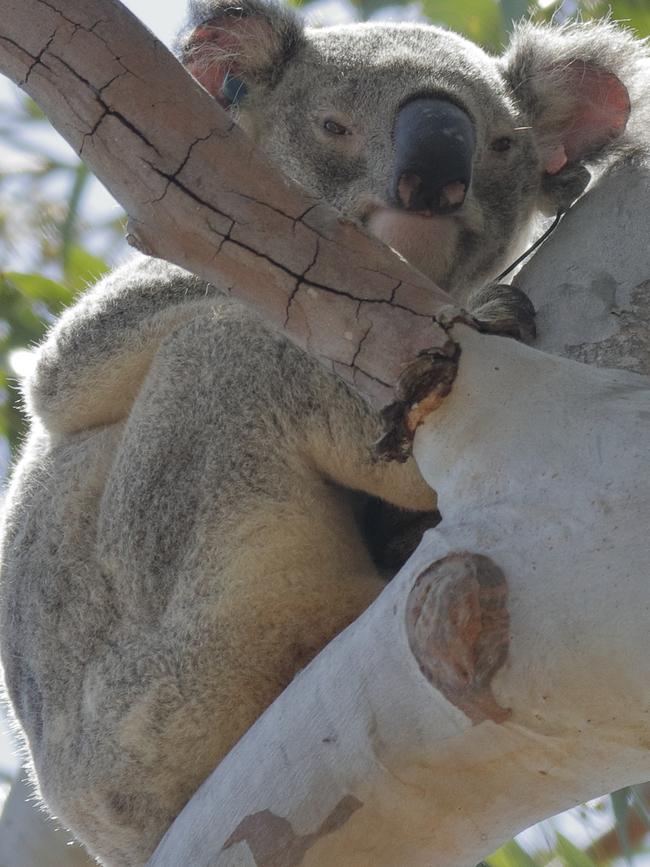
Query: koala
point(198, 509)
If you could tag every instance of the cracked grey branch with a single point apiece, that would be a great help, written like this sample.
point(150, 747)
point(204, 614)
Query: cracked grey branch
point(264, 223)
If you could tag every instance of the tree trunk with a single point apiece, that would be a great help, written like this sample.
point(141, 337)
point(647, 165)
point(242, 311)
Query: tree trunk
point(519, 493)
point(407, 741)
point(590, 282)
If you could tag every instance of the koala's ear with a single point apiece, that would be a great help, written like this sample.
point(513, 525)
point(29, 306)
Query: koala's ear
point(231, 45)
point(573, 86)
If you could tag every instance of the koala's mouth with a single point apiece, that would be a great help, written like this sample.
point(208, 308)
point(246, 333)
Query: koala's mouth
point(429, 243)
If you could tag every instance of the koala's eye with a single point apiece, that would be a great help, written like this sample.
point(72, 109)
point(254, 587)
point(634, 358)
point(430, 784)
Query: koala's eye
point(501, 144)
point(334, 128)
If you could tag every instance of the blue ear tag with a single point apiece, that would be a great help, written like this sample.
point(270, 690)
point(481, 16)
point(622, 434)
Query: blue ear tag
point(233, 88)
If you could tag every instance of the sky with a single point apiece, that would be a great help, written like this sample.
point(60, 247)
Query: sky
point(163, 19)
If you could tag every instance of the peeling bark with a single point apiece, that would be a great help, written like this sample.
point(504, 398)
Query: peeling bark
point(274, 843)
point(589, 282)
point(457, 624)
point(423, 386)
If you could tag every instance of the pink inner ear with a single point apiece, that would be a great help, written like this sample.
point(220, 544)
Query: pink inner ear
point(557, 160)
point(212, 57)
point(211, 78)
point(601, 112)
point(232, 44)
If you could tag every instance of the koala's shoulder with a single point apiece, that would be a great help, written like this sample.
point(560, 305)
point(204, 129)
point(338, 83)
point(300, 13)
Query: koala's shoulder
point(99, 350)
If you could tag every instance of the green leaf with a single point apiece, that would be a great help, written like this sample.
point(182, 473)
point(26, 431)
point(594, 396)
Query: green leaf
point(512, 11)
point(511, 855)
point(621, 807)
point(570, 854)
point(82, 268)
point(39, 288)
point(632, 13)
point(368, 7)
point(21, 324)
point(32, 110)
point(640, 804)
point(479, 20)
point(82, 178)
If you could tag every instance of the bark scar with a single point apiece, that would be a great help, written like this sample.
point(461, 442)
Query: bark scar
point(420, 390)
point(458, 630)
point(273, 841)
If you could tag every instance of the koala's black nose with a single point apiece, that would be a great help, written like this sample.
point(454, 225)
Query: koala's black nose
point(434, 147)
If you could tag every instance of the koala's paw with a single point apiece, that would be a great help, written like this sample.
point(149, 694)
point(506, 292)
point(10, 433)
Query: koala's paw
point(506, 310)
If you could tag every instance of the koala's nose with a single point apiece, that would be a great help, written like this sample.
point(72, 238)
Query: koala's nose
point(434, 147)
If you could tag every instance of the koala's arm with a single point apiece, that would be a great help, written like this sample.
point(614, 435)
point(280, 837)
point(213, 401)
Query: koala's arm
point(89, 370)
point(341, 441)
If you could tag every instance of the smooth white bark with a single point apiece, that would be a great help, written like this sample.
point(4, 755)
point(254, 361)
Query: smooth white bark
point(543, 468)
point(590, 282)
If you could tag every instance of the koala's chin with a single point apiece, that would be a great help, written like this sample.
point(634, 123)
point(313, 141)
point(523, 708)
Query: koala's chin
point(429, 243)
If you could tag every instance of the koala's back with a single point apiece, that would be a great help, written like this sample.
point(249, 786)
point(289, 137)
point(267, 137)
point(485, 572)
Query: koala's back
point(168, 571)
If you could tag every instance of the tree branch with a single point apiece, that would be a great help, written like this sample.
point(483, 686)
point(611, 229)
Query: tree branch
point(199, 194)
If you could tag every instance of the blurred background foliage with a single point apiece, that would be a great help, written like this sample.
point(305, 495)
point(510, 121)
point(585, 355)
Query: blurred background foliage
point(50, 247)
point(59, 232)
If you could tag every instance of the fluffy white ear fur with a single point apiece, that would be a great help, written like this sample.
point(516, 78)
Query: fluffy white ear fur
point(247, 41)
point(576, 83)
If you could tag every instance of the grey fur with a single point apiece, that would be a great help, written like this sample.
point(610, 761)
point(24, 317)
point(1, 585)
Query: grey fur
point(185, 528)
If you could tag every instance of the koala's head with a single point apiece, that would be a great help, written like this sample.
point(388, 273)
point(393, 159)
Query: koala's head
point(442, 151)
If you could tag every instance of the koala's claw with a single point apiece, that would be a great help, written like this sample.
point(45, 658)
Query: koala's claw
point(505, 310)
